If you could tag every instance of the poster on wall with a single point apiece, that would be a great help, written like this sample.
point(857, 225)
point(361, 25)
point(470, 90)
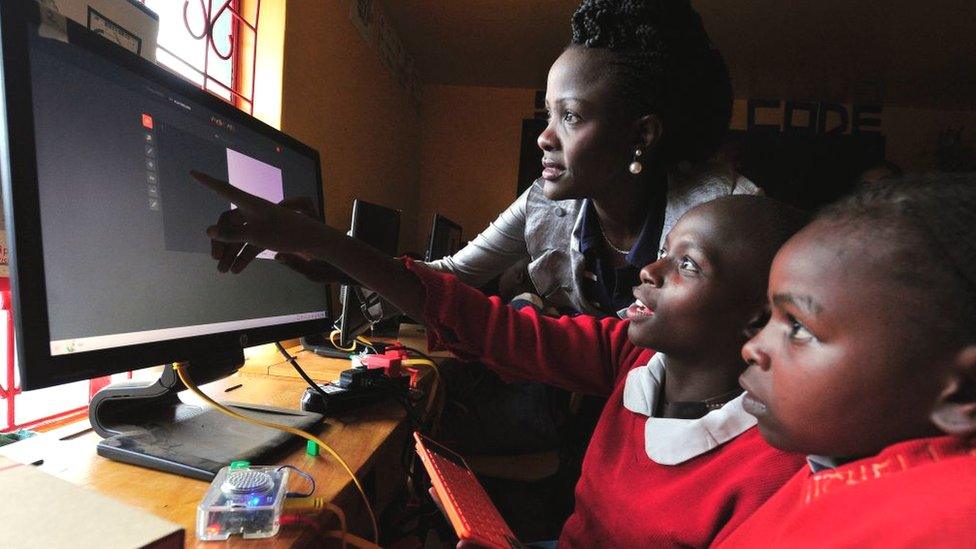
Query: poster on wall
point(373, 25)
point(127, 23)
point(361, 15)
point(387, 42)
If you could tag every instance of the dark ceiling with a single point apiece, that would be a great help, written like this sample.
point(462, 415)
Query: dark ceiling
point(915, 53)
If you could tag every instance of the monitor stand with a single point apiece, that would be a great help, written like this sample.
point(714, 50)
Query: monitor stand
point(322, 347)
point(147, 424)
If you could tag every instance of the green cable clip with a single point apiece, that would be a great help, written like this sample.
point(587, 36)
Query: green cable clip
point(311, 448)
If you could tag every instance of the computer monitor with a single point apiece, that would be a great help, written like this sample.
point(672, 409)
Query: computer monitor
point(445, 238)
point(379, 227)
point(110, 264)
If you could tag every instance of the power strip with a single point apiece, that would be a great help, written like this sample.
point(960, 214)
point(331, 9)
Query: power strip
point(339, 399)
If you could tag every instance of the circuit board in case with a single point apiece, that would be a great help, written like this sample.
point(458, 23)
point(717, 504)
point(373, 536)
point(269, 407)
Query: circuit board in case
point(243, 500)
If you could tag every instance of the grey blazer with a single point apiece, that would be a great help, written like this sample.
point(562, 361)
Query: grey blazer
point(548, 231)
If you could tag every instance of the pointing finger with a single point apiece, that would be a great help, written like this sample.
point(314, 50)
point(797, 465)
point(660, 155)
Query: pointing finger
point(240, 198)
point(226, 233)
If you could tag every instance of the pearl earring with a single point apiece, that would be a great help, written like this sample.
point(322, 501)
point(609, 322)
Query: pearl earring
point(636, 166)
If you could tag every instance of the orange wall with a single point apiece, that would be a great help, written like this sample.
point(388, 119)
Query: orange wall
point(338, 98)
point(471, 135)
point(469, 154)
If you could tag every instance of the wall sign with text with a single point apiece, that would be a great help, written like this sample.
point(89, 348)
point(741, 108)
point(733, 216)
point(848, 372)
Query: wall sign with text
point(813, 118)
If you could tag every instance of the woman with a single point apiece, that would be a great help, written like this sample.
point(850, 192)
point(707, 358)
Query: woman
point(637, 103)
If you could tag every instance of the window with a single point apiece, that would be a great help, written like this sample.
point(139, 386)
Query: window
point(203, 41)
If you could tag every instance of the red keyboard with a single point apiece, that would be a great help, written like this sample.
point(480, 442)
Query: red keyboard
point(465, 502)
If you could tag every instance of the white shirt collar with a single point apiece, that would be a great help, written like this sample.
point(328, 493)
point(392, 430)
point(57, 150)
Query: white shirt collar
point(819, 463)
point(670, 441)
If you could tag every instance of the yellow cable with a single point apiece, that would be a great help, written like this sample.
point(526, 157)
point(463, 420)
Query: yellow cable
point(189, 384)
point(315, 506)
point(332, 339)
point(361, 339)
point(424, 361)
point(354, 540)
point(337, 511)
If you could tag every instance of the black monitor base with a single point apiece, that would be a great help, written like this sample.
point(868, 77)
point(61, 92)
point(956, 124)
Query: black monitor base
point(322, 347)
point(147, 424)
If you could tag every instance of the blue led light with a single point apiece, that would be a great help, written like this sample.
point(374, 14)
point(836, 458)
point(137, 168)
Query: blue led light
point(256, 500)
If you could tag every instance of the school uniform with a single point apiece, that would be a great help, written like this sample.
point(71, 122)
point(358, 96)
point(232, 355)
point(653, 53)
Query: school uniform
point(552, 234)
point(919, 493)
point(646, 481)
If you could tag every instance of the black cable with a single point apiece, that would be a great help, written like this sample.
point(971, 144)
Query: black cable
point(416, 396)
point(307, 477)
point(365, 302)
point(422, 355)
point(415, 422)
point(294, 364)
point(402, 396)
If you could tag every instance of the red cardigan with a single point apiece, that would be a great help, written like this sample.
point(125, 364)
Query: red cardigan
point(623, 499)
point(920, 493)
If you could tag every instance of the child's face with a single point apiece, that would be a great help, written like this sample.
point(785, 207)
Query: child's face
point(690, 302)
point(841, 368)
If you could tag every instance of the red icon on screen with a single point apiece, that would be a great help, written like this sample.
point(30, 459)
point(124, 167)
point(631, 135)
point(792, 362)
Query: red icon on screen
point(147, 122)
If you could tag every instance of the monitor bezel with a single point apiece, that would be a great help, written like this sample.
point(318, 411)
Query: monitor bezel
point(18, 172)
point(439, 220)
point(347, 333)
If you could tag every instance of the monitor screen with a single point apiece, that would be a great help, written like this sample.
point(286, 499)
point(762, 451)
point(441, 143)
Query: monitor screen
point(110, 262)
point(379, 227)
point(445, 238)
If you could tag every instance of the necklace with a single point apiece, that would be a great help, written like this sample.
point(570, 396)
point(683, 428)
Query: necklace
point(697, 409)
point(607, 240)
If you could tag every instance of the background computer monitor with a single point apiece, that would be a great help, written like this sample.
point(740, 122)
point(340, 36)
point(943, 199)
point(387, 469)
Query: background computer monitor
point(110, 264)
point(445, 238)
point(379, 227)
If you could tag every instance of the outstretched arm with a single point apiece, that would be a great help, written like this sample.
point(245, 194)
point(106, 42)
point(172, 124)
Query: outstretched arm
point(579, 353)
point(498, 247)
point(266, 225)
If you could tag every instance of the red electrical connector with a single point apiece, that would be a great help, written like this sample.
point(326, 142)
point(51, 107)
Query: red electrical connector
point(390, 361)
point(414, 375)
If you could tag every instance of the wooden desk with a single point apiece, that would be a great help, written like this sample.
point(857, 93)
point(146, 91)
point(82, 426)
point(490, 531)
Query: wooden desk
point(371, 442)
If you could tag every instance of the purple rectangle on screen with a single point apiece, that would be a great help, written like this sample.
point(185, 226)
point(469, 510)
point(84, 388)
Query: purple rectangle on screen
point(257, 178)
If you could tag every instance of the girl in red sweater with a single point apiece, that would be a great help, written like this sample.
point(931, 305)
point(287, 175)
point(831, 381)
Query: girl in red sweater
point(675, 459)
point(869, 365)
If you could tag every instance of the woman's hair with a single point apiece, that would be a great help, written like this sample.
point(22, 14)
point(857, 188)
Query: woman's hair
point(932, 222)
point(665, 65)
